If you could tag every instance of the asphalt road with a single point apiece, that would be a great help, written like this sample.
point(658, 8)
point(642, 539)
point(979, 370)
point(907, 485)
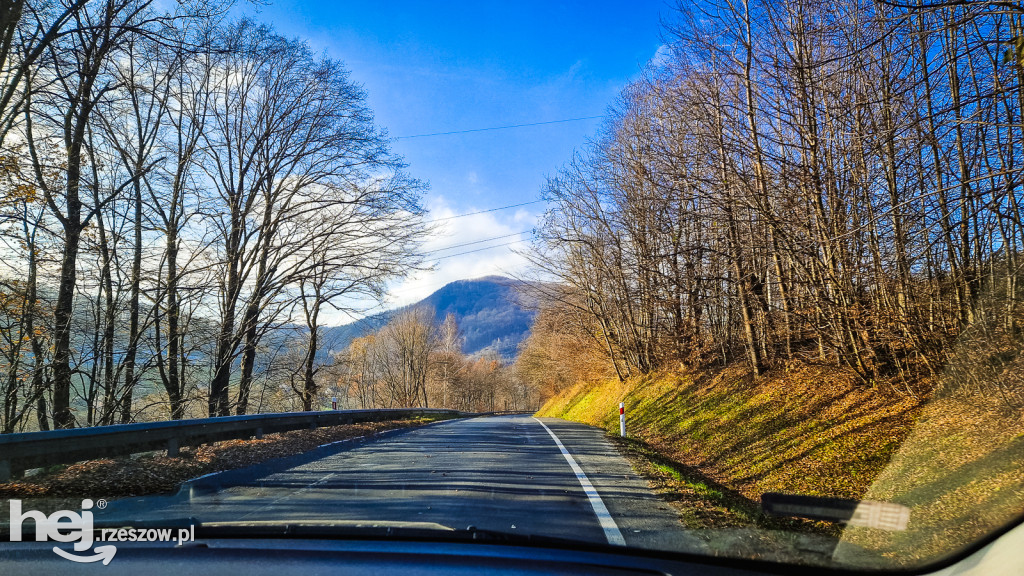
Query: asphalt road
point(504, 473)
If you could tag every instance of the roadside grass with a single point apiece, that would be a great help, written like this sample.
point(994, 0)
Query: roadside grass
point(729, 523)
point(711, 444)
point(702, 501)
point(699, 488)
point(959, 472)
point(809, 431)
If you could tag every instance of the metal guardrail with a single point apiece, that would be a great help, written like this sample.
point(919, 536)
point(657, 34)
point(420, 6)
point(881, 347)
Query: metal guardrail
point(19, 452)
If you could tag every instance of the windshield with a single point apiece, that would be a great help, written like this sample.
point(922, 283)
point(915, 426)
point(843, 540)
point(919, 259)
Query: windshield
point(715, 278)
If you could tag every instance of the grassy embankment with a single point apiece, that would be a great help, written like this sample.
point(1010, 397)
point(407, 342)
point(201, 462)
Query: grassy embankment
point(712, 444)
point(811, 431)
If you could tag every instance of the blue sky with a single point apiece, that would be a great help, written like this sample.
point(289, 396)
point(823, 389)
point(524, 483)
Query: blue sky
point(441, 67)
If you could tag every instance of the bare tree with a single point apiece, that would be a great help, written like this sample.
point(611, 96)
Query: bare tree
point(288, 135)
point(830, 182)
point(64, 100)
point(403, 352)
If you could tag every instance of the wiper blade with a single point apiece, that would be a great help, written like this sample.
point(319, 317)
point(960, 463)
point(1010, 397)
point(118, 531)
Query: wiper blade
point(318, 529)
point(145, 523)
point(869, 513)
point(483, 535)
point(373, 529)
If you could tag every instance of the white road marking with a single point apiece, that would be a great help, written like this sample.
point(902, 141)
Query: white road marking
point(611, 530)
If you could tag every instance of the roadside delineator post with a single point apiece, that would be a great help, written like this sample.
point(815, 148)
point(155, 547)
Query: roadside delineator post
point(622, 419)
point(334, 403)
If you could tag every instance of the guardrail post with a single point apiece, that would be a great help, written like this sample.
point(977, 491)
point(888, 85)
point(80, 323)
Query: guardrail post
point(5, 470)
point(172, 448)
point(259, 433)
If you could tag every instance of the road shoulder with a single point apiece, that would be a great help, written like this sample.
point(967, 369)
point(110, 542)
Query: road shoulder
point(644, 520)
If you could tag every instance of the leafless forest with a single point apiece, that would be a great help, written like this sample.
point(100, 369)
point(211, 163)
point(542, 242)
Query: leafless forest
point(417, 360)
point(800, 181)
point(185, 196)
point(175, 188)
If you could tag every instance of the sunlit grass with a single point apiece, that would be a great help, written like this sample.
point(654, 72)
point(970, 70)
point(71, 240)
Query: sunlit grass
point(724, 440)
point(812, 431)
point(699, 488)
point(960, 474)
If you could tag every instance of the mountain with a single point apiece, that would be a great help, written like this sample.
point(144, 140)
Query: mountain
point(490, 313)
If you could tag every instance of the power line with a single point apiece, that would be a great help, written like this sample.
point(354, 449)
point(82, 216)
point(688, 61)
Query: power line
point(480, 249)
point(484, 211)
point(497, 127)
point(364, 321)
point(478, 241)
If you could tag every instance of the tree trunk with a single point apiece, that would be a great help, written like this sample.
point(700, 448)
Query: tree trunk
point(133, 312)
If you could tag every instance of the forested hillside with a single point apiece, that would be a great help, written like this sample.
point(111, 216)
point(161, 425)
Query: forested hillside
point(453, 349)
point(795, 254)
point(834, 183)
point(493, 315)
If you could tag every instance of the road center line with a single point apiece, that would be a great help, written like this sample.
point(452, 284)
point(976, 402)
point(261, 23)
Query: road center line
point(611, 530)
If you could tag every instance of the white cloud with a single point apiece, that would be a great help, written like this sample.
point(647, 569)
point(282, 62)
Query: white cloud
point(574, 70)
point(662, 55)
point(461, 249)
point(467, 247)
point(525, 217)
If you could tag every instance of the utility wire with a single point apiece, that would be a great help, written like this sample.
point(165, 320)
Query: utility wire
point(478, 241)
point(364, 320)
point(497, 127)
point(484, 211)
point(480, 249)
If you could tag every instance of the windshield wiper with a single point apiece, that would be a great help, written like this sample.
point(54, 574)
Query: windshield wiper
point(869, 513)
point(362, 529)
point(316, 529)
